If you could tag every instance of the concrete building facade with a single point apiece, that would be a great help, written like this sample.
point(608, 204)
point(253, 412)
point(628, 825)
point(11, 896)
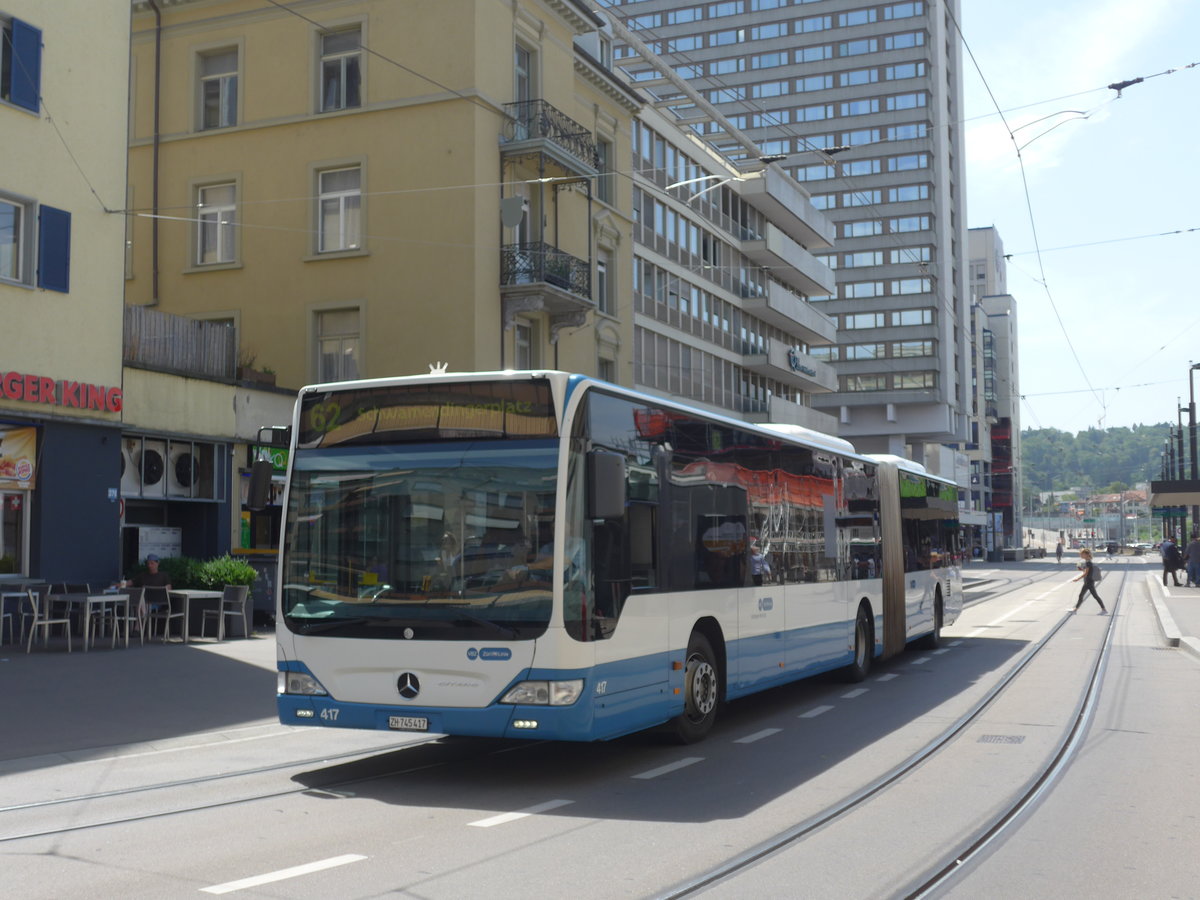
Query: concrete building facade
point(366, 189)
point(995, 448)
point(722, 268)
point(861, 104)
point(62, 186)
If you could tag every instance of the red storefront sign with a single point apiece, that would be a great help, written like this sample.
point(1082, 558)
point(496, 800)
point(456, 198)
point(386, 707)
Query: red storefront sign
point(64, 393)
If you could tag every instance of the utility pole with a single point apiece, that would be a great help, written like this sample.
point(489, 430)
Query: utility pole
point(1181, 467)
point(1192, 438)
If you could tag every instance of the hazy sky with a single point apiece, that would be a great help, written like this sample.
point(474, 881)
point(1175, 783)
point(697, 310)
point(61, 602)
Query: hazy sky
point(1107, 331)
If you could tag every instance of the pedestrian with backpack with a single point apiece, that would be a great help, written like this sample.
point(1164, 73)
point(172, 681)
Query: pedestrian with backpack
point(1089, 575)
point(1172, 560)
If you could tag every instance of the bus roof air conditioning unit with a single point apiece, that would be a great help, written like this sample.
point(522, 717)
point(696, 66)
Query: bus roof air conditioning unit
point(183, 472)
point(152, 465)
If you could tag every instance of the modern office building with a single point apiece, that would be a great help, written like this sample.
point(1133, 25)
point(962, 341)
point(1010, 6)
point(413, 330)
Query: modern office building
point(724, 261)
point(995, 446)
point(860, 103)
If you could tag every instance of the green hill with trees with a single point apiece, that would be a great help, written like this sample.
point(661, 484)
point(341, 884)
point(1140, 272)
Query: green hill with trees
point(1096, 459)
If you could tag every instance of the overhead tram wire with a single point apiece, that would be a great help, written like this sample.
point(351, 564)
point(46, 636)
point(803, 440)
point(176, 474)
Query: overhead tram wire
point(32, 78)
point(1028, 203)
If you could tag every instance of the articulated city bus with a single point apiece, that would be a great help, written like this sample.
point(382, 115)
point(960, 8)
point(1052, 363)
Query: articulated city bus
point(545, 555)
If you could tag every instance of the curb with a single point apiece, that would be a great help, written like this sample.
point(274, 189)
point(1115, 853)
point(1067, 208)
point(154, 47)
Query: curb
point(1166, 623)
point(1190, 645)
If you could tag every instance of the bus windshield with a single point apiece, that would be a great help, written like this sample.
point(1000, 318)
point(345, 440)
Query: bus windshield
point(450, 540)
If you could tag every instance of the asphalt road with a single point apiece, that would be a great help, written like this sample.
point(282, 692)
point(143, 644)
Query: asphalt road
point(176, 749)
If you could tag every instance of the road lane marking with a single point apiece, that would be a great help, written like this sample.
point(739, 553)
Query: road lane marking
point(919, 661)
point(888, 677)
point(758, 736)
point(857, 692)
point(814, 712)
point(955, 643)
point(504, 818)
point(940, 650)
point(993, 624)
point(294, 872)
point(671, 767)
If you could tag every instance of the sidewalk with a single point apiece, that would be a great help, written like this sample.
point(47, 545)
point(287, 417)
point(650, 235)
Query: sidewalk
point(1178, 610)
point(58, 706)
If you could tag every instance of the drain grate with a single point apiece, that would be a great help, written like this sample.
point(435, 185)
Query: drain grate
point(1001, 739)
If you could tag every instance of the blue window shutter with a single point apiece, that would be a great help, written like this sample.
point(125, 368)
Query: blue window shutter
point(26, 84)
point(54, 249)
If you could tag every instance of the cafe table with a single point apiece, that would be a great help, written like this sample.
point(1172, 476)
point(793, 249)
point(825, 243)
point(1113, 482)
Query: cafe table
point(86, 603)
point(187, 596)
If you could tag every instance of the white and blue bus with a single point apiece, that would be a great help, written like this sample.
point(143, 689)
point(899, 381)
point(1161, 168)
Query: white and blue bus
point(545, 555)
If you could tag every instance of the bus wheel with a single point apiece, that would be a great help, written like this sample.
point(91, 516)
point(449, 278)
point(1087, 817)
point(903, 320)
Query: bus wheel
point(701, 692)
point(933, 640)
point(864, 646)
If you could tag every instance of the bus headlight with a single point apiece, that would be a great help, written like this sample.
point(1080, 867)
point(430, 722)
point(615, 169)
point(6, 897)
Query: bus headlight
point(298, 683)
point(545, 693)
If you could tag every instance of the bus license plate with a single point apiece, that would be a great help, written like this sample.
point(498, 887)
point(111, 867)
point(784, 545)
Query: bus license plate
point(408, 723)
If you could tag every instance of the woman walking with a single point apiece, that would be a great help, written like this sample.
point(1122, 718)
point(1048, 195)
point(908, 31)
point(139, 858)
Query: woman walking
point(1089, 581)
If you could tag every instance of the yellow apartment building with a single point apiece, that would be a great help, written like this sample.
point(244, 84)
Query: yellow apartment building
point(362, 188)
point(63, 136)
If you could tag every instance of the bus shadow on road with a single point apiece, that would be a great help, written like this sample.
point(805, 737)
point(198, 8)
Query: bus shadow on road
point(762, 747)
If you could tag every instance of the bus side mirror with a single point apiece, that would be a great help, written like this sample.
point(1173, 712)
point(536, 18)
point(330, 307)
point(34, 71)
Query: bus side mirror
point(606, 485)
point(259, 493)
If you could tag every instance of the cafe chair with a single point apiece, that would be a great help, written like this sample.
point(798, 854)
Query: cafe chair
point(162, 610)
point(32, 611)
point(7, 621)
point(134, 615)
point(233, 604)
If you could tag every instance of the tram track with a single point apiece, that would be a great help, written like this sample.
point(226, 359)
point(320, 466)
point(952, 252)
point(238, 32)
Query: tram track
point(958, 859)
point(332, 786)
point(948, 865)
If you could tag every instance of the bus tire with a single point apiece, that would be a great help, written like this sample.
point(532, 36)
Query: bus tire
point(701, 691)
point(933, 640)
point(864, 646)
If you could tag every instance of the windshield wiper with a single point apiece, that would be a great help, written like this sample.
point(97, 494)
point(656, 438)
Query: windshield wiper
point(323, 625)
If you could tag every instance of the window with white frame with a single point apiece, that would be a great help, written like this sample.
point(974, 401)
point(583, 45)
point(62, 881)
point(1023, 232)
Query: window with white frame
point(604, 179)
point(525, 345)
point(338, 338)
point(339, 209)
point(13, 240)
point(219, 89)
point(216, 221)
point(35, 244)
point(604, 282)
point(341, 69)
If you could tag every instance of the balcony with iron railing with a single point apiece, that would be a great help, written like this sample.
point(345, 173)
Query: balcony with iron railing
point(538, 277)
point(536, 126)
